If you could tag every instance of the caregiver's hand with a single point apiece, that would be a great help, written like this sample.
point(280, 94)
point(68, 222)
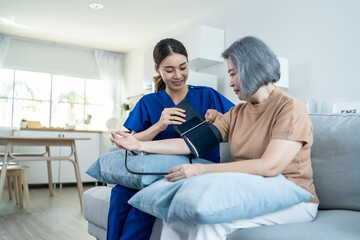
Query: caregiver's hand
point(170, 116)
point(125, 140)
point(183, 171)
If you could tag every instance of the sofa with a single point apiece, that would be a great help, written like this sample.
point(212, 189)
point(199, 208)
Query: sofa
point(335, 157)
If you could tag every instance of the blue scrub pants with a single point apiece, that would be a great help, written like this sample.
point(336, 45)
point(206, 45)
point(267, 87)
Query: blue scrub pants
point(125, 221)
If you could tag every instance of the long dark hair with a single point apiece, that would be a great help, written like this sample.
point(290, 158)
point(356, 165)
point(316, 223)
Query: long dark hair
point(163, 49)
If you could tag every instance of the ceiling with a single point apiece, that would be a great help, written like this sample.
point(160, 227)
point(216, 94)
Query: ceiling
point(120, 26)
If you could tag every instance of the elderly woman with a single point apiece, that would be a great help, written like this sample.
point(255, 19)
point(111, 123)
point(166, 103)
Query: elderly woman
point(269, 134)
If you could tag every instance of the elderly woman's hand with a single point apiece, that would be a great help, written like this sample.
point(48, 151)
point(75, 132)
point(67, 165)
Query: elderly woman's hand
point(125, 140)
point(183, 171)
point(211, 115)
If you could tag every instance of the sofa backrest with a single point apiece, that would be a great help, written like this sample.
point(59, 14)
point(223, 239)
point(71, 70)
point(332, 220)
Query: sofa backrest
point(225, 152)
point(335, 157)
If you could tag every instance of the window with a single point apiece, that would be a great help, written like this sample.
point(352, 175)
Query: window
point(53, 100)
point(31, 97)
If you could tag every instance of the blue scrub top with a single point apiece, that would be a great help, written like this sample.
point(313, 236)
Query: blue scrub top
point(149, 108)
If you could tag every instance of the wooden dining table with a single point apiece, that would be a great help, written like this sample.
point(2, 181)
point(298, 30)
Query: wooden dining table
point(8, 156)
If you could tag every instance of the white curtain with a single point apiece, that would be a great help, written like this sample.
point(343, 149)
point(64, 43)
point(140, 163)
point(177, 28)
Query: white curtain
point(4, 46)
point(110, 66)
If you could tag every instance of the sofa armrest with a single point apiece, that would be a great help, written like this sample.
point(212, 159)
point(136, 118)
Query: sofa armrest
point(96, 202)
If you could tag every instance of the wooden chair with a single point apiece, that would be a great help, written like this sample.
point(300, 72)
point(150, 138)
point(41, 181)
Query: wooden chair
point(9, 181)
point(17, 173)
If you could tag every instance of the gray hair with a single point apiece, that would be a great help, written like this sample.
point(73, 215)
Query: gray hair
point(257, 65)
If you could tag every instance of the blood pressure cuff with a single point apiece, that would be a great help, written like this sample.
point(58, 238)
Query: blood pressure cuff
point(199, 135)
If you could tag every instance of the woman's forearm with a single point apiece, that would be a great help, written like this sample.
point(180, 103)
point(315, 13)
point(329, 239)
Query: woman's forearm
point(167, 146)
point(148, 134)
point(254, 166)
point(275, 159)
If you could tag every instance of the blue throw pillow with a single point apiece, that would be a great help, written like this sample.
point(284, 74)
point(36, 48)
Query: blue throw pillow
point(218, 197)
point(110, 168)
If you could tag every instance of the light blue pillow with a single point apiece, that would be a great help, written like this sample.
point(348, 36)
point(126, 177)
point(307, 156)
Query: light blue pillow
point(218, 197)
point(110, 168)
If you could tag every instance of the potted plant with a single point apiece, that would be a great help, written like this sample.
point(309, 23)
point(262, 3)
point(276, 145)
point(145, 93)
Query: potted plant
point(124, 108)
point(23, 123)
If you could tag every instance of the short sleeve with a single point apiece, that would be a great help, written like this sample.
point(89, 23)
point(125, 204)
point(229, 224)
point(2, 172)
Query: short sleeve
point(293, 123)
point(222, 123)
point(139, 119)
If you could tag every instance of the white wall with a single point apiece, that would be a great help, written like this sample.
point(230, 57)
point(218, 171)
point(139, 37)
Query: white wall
point(320, 38)
point(134, 70)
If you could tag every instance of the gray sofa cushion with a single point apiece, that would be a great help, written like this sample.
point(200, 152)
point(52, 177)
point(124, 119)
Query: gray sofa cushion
point(96, 202)
point(96, 231)
point(335, 158)
point(329, 225)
